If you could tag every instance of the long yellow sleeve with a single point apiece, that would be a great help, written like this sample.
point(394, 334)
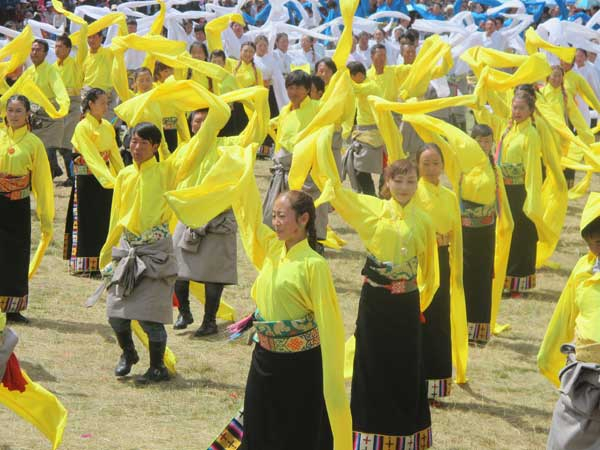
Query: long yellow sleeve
point(331, 332)
point(43, 191)
point(39, 407)
point(458, 311)
point(504, 229)
point(533, 42)
point(215, 27)
point(561, 329)
point(425, 67)
point(16, 51)
point(344, 43)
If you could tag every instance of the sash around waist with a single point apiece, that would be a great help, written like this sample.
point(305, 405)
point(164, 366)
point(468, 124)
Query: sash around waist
point(15, 187)
point(287, 336)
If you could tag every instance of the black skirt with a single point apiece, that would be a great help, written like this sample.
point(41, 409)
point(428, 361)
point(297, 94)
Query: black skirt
point(520, 273)
point(15, 242)
point(437, 342)
point(389, 391)
point(478, 273)
point(86, 227)
point(284, 407)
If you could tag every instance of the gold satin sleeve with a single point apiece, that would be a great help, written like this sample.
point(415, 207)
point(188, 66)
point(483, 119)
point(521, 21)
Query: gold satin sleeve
point(561, 329)
point(43, 191)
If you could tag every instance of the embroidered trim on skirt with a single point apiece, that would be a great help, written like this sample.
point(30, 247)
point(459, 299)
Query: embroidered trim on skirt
point(479, 333)
point(231, 437)
point(520, 273)
point(478, 273)
point(439, 388)
point(437, 342)
point(389, 358)
point(87, 224)
point(15, 243)
point(369, 441)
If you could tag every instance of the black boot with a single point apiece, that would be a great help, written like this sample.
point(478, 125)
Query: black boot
point(182, 292)
point(157, 371)
point(213, 293)
point(129, 357)
point(16, 317)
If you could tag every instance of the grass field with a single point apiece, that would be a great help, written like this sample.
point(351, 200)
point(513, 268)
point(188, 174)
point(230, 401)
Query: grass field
point(72, 351)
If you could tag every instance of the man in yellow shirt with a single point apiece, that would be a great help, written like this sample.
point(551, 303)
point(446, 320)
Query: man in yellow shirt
point(97, 68)
point(71, 71)
point(48, 79)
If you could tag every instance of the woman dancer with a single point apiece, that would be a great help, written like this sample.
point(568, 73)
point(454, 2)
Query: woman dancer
point(96, 163)
point(445, 328)
point(24, 169)
point(298, 322)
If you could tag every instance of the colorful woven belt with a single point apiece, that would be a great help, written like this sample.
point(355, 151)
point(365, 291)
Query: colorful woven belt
point(154, 234)
point(478, 222)
point(512, 181)
point(169, 123)
point(288, 336)
point(396, 286)
point(15, 187)
point(80, 167)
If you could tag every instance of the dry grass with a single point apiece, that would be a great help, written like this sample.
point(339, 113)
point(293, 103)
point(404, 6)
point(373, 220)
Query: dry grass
point(72, 351)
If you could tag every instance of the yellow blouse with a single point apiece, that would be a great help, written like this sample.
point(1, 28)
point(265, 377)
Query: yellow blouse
point(569, 111)
point(247, 75)
point(50, 83)
point(390, 232)
point(291, 121)
point(97, 69)
point(389, 81)
point(521, 147)
point(575, 84)
point(22, 153)
point(290, 283)
point(442, 207)
point(577, 314)
point(90, 139)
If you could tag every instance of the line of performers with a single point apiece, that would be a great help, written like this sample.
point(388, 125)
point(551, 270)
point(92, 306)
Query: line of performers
point(437, 260)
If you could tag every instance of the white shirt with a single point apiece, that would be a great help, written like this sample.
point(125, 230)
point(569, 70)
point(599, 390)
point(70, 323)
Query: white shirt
point(284, 61)
point(494, 41)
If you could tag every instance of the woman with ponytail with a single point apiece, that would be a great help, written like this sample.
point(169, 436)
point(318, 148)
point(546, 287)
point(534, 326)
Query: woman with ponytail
point(445, 330)
point(96, 163)
point(295, 396)
point(24, 169)
point(400, 276)
point(519, 157)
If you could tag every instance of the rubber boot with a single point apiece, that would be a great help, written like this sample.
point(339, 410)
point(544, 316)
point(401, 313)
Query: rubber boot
point(129, 357)
point(157, 371)
point(182, 292)
point(213, 293)
point(16, 317)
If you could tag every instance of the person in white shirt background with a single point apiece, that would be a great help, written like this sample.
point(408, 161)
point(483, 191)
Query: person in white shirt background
point(363, 51)
point(280, 53)
point(233, 38)
point(392, 50)
point(491, 37)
